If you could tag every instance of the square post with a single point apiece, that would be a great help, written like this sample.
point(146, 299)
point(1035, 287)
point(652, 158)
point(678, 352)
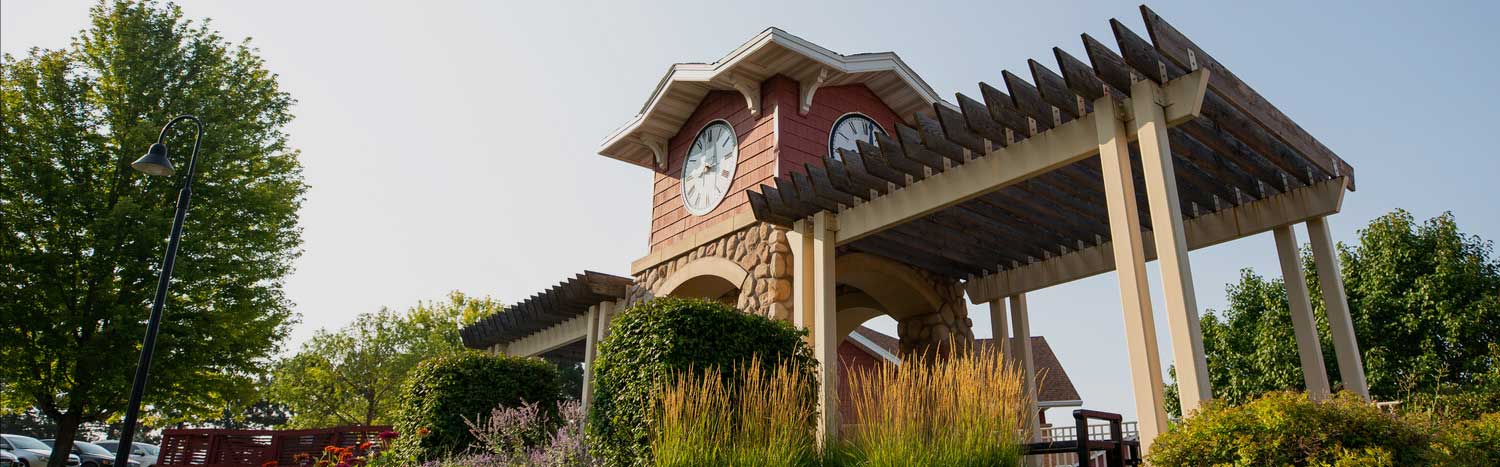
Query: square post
point(800, 239)
point(1340, 324)
point(1171, 246)
point(1021, 347)
point(590, 345)
point(1130, 270)
point(1309, 351)
point(1001, 329)
point(825, 323)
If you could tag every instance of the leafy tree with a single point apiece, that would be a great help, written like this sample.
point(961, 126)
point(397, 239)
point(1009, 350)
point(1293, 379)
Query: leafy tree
point(82, 232)
point(352, 376)
point(1424, 298)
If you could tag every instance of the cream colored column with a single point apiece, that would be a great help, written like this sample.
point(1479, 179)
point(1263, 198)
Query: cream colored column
point(825, 324)
point(1021, 345)
point(800, 240)
point(1130, 269)
point(1171, 246)
point(1303, 324)
point(606, 316)
point(590, 343)
point(1340, 324)
point(1001, 329)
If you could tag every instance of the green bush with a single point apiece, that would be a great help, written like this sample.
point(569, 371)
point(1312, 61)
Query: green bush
point(1470, 442)
point(441, 391)
point(1285, 428)
point(653, 341)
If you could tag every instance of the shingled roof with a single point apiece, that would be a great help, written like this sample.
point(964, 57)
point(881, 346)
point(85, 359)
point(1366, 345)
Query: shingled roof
point(1054, 387)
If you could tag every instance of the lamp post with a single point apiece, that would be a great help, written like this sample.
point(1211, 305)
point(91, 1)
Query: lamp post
point(156, 163)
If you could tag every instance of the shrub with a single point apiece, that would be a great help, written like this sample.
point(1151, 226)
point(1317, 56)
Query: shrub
point(765, 422)
point(1470, 442)
point(968, 409)
point(1285, 428)
point(652, 342)
point(443, 390)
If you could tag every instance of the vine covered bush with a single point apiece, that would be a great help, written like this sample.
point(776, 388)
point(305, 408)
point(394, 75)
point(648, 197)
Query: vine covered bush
point(654, 342)
point(443, 391)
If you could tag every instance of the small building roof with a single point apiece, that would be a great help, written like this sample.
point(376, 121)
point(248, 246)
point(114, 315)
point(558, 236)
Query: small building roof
point(1054, 387)
point(568, 299)
point(642, 140)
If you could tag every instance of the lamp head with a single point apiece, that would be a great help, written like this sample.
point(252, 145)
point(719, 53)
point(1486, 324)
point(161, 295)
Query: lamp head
point(155, 162)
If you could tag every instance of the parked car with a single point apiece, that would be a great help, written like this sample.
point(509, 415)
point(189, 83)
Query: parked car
point(91, 455)
point(8, 460)
point(144, 453)
point(29, 452)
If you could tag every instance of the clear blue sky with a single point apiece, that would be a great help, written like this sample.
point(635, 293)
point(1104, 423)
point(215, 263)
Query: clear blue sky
point(452, 145)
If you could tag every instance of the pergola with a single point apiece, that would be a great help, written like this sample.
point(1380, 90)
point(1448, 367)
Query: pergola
point(565, 322)
point(1140, 154)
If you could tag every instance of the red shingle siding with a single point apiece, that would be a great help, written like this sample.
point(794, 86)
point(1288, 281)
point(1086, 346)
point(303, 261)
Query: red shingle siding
point(780, 141)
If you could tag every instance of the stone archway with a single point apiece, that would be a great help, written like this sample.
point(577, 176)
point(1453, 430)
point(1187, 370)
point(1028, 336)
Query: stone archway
point(710, 277)
point(929, 310)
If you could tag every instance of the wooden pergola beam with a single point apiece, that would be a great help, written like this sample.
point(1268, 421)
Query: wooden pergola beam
point(1298, 205)
point(1039, 154)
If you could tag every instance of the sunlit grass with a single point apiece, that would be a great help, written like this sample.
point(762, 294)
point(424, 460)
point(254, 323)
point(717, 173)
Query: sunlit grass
point(765, 420)
point(965, 409)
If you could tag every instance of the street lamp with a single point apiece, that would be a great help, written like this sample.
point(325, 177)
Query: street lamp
point(156, 163)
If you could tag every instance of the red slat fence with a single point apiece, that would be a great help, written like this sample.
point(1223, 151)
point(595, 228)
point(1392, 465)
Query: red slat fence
point(202, 447)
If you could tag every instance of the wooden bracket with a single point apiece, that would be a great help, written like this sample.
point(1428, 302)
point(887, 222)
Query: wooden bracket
point(751, 90)
point(658, 147)
point(810, 87)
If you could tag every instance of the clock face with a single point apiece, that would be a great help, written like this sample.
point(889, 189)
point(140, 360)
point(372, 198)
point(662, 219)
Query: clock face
point(709, 169)
point(850, 129)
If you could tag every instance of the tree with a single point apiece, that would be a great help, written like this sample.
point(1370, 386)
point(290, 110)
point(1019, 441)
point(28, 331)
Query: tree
point(82, 232)
point(353, 376)
point(1424, 298)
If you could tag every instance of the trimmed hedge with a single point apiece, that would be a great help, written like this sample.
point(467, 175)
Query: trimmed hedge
point(1285, 428)
point(653, 341)
point(442, 390)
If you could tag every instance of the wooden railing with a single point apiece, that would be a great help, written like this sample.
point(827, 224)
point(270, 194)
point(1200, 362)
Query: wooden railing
point(1099, 431)
point(252, 448)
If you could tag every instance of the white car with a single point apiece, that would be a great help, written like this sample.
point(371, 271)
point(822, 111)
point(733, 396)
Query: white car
point(144, 453)
point(8, 460)
point(29, 452)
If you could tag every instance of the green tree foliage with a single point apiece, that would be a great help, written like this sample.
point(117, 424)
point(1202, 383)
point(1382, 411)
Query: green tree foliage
point(81, 233)
point(1425, 300)
point(352, 376)
point(652, 342)
point(443, 390)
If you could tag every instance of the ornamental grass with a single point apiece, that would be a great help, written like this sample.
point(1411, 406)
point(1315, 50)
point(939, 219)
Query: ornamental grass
point(766, 419)
point(964, 409)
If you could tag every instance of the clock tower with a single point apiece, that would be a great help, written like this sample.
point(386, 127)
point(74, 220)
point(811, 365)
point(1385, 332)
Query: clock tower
point(774, 107)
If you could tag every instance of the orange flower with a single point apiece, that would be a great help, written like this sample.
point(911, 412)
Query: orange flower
point(423, 431)
point(324, 463)
point(330, 449)
point(364, 445)
point(268, 464)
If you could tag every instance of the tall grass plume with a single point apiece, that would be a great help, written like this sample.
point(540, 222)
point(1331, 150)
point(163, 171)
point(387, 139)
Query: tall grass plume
point(762, 417)
point(968, 408)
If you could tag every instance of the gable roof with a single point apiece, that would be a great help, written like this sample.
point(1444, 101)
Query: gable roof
point(772, 52)
point(1054, 387)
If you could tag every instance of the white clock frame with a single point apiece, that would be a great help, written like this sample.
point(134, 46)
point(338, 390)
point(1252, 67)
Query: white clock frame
point(833, 130)
point(733, 171)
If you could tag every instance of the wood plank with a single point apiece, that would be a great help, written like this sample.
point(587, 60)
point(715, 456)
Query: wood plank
point(1108, 66)
point(936, 141)
point(1003, 110)
point(823, 186)
point(1054, 90)
point(953, 125)
point(1177, 48)
point(1080, 78)
point(809, 196)
point(762, 210)
point(1139, 54)
point(894, 156)
point(876, 164)
point(1029, 101)
point(978, 118)
point(913, 149)
point(882, 246)
point(854, 162)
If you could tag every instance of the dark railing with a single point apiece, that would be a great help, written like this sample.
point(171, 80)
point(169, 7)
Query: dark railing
point(252, 448)
point(1118, 451)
